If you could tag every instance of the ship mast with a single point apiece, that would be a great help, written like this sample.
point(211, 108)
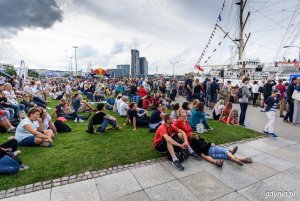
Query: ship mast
point(242, 23)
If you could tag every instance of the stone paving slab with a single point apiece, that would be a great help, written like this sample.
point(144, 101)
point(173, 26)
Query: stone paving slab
point(295, 148)
point(246, 150)
point(262, 146)
point(173, 190)
point(273, 162)
point(84, 190)
point(259, 170)
point(205, 186)
point(232, 175)
point(152, 175)
point(117, 185)
point(278, 142)
point(287, 154)
point(191, 166)
point(285, 183)
point(232, 197)
point(43, 195)
point(258, 191)
point(137, 196)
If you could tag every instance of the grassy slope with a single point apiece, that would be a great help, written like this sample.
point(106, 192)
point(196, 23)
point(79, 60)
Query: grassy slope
point(79, 151)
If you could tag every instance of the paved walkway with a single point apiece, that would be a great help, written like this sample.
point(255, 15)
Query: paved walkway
point(274, 172)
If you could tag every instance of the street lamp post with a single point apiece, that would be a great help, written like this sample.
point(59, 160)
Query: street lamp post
point(75, 47)
point(71, 70)
point(296, 47)
point(174, 62)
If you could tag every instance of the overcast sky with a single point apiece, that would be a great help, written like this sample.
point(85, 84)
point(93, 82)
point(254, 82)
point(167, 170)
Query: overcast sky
point(42, 32)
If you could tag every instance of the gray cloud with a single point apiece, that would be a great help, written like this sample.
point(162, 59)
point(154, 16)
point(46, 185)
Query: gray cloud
point(17, 15)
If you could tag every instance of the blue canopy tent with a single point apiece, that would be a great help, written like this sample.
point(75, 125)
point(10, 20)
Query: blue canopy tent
point(51, 74)
point(4, 73)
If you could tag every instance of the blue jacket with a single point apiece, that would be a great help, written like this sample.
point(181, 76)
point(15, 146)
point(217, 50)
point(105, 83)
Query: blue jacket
point(196, 118)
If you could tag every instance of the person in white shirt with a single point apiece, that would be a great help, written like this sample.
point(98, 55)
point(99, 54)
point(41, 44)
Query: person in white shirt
point(123, 107)
point(69, 92)
point(12, 99)
point(30, 130)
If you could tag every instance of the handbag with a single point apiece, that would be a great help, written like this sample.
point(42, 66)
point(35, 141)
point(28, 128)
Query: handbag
point(296, 95)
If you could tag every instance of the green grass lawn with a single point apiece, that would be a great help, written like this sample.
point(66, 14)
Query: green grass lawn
point(78, 151)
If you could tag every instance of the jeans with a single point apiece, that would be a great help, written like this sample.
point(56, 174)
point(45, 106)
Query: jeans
point(104, 124)
point(290, 113)
point(38, 100)
point(17, 108)
point(11, 113)
point(243, 107)
point(189, 95)
point(71, 116)
point(255, 96)
point(8, 165)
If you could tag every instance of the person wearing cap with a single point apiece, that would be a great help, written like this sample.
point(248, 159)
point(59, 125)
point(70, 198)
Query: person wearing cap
point(270, 108)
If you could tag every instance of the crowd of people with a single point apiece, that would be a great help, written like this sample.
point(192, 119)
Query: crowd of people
point(144, 103)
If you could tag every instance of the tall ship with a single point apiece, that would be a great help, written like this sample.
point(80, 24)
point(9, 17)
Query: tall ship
point(242, 66)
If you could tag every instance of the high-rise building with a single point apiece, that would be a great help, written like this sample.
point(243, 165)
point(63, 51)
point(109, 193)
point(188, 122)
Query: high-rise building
point(135, 63)
point(125, 68)
point(115, 73)
point(143, 66)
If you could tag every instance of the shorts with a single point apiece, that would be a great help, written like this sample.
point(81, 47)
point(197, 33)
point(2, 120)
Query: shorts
point(28, 142)
point(162, 145)
point(217, 152)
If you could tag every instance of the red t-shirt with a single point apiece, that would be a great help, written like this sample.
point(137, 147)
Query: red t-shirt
point(185, 126)
point(142, 92)
point(281, 89)
point(162, 130)
point(146, 103)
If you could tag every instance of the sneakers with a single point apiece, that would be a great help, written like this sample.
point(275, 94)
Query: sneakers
point(23, 167)
point(47, 144)
point(210, 129)
point(76, 120)
point(265, 132)
point(81, 121)
point(178, 165)
point(273, 134)
point(195, 156)
point(11, 129)
point(17, 152)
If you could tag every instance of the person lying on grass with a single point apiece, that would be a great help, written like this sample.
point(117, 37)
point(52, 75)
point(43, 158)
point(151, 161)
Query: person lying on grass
point(30, 130)
point(171, 139)
point(138, 118)
point(208, 151)
point(102, 119)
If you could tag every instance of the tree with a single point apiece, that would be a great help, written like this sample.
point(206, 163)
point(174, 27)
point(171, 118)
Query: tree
point(11, 71)
point(33, 73)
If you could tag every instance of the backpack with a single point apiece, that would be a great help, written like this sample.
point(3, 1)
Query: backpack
point(261, 89)
point(240, 93)
point(61, 127)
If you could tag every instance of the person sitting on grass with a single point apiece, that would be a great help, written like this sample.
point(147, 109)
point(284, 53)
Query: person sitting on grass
point(146, 102)
point(185, 106)
point(5, 123)
point(218, 108)
point(102, 119)
point(110, 102)
point(156, 118)
point(137, 118)
point(81, 105)
point(229, 115)
point(63, 110)
point(48, 124)
point(30, 130)
point(123, 108)
point(174, 113)
point(98, 96)
point(169, 138)
point(198, 116)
